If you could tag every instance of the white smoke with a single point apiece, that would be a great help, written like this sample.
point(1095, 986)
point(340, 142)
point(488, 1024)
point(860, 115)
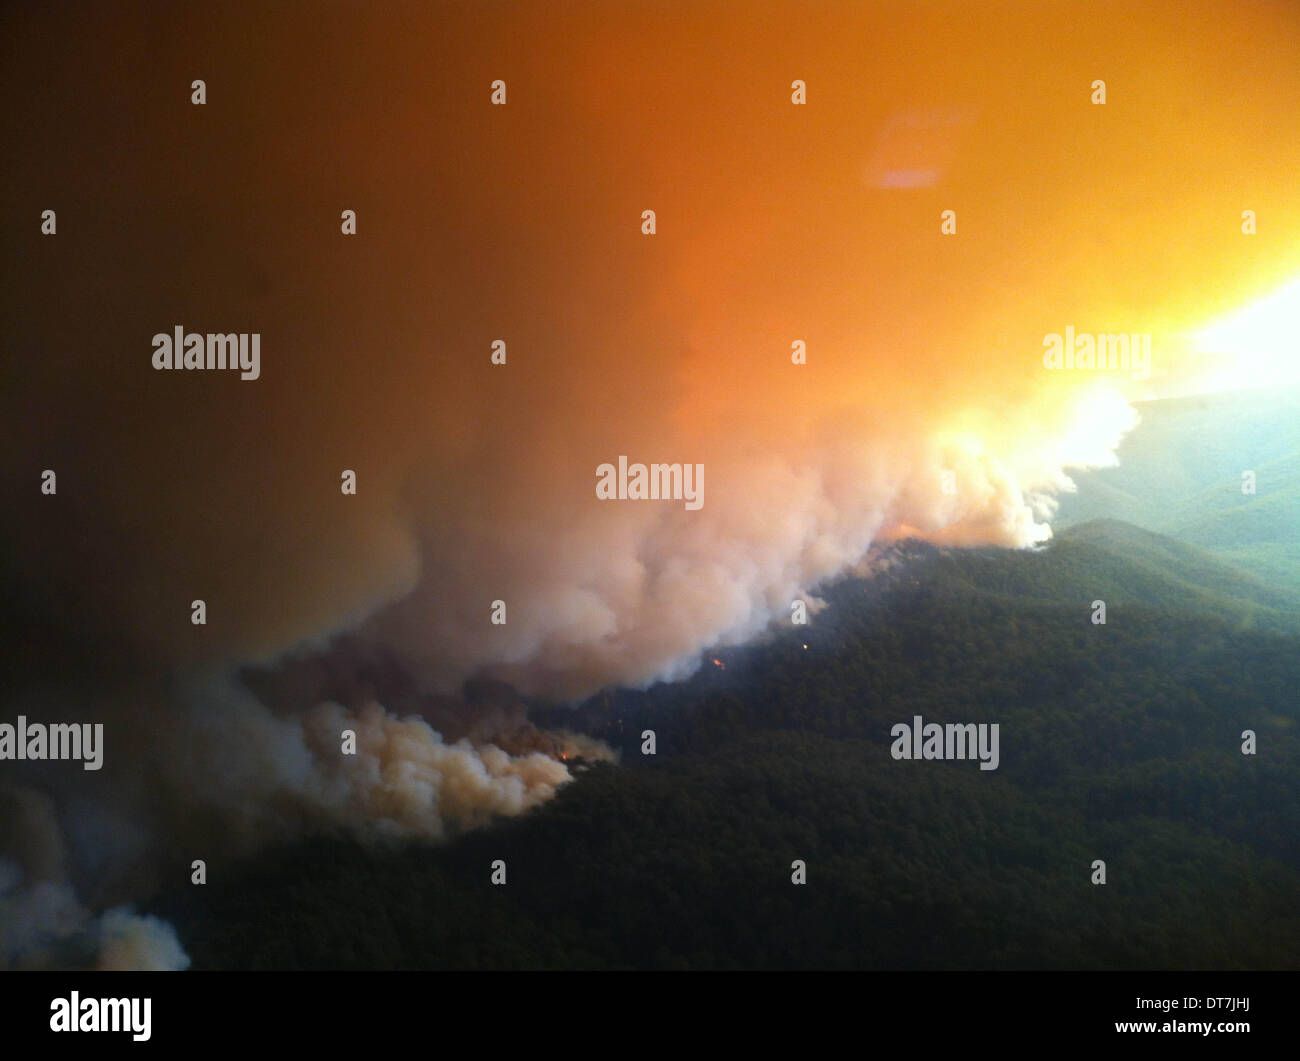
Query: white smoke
point(43, 925)
point(361, 770)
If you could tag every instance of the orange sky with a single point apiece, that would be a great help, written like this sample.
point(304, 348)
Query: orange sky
point(775, 222)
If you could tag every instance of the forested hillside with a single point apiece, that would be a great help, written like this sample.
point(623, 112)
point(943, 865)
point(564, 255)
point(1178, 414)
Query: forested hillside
point(1181, 471)
point(1119, 742)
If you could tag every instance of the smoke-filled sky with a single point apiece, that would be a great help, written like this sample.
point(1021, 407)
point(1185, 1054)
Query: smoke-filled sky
point(924, 407)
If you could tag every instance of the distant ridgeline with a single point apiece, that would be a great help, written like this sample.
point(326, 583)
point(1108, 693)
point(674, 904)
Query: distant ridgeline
point(1221, 472)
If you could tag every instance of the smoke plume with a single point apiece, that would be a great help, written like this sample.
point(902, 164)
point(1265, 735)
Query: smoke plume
point(924, 407)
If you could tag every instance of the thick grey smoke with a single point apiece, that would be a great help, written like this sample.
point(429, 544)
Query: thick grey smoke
point(276, 776)
point(626, 593)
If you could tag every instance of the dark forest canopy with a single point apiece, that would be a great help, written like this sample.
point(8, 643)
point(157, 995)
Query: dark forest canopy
point(1119, 742)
